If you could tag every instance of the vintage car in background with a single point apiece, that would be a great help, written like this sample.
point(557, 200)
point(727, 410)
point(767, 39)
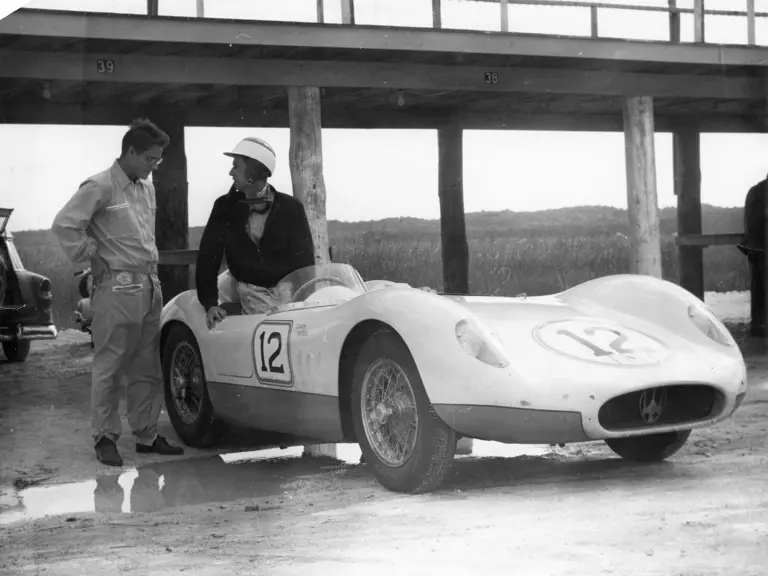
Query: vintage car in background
point(26, 300)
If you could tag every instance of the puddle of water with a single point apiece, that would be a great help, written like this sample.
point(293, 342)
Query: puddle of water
point(206, 480)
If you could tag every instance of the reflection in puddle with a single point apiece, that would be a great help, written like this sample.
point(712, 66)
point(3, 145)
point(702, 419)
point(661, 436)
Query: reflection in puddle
point(214, 479)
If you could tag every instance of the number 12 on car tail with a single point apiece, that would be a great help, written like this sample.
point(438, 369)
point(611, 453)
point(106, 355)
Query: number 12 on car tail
point(271, 353)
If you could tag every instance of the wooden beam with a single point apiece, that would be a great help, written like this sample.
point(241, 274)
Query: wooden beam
point(152, 8)
point(437, 14)
point(306, 162)
point(40, 112)
point(704, 240)
point(593, 22)
point(504, 9)
point(51, 24)
point(751, 22)
point(674, 22)
point(348, 12)
point(201, 8)
point(171, 197)
point(148, 69)
point(642, 201)
point(320, 11)
point(453, 229)
point(698, 21)
point(687, 173)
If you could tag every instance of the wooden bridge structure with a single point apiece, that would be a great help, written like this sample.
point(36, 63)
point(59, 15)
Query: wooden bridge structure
point(66, 67)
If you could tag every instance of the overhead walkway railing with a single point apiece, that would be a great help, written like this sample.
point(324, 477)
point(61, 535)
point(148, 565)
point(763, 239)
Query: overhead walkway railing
point(680, 20)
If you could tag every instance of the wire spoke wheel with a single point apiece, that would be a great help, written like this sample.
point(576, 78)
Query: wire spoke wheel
point(390, 417)
point(186, 382)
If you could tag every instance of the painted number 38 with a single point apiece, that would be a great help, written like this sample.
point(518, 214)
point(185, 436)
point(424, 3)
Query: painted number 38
point(271, 352)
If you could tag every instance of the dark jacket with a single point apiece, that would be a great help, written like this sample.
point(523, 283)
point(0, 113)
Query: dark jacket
point(755, 217)
point(286, 244)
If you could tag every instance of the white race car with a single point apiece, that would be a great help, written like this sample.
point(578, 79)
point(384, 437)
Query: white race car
point(633, 360)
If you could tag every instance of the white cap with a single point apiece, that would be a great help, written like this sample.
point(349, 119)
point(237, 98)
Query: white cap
point(257, 149)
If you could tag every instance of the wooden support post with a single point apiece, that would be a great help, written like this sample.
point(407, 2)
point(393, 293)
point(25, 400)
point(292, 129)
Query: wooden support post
point(201, 8)
point(751, 40)
point(504, 4)
point(306, 163)
point(348, 12)
point(674, 22)
point(453, 232)
point(593, 21)
point(437, 15)
point(320, 11)
point(152, 8)
point(642, 201)
point(698, 21)
point(171, 197)
point(687, 170)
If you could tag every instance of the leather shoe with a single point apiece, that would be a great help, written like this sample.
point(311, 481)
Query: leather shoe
point(106, 452)
point(160, 446)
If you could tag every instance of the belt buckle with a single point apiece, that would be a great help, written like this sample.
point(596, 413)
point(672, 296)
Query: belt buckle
point(124, 278)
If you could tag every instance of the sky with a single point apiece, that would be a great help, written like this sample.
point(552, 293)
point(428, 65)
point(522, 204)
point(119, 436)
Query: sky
point(503, 170)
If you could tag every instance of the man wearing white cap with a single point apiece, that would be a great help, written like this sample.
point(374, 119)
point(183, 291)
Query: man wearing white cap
point(263, 233)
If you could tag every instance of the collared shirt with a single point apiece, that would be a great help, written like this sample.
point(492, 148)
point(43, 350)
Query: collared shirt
point(113, 218)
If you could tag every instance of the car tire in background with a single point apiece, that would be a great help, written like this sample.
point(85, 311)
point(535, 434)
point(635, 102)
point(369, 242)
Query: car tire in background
point(649, 448)
point(181, 359)
point(428, 454)
point(17, 350)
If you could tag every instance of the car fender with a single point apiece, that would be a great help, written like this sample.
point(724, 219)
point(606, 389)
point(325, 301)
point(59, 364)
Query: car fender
point(426, 322)
point(186, 309)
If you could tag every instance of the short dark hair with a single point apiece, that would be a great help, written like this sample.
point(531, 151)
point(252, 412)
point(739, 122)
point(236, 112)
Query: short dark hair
point(142, 135)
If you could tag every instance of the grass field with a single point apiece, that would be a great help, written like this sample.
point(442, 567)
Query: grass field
point(510, 253)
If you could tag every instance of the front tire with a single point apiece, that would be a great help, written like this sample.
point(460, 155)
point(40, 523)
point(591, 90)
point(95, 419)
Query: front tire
point(186, 390)
point(17, 350)
point(401, 437)
point(649, 448)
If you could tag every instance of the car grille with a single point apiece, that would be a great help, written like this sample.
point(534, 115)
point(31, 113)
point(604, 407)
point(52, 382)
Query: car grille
point(661, 406)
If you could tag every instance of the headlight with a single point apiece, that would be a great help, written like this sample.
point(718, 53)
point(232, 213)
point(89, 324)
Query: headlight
point(480, 346)
point(709, 325)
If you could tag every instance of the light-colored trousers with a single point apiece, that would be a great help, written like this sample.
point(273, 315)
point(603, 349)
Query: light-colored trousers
point(253, 299)
point(126, 338)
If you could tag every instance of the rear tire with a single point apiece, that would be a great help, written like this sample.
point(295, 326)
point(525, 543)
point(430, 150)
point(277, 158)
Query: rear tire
point(649, 448)
point(17, 350)
point(199, 429)
point(427, 457)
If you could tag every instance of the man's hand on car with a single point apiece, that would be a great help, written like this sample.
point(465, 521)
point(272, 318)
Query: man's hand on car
point(214, 315)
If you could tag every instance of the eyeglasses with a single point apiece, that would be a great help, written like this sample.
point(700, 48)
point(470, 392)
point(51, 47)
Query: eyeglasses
point(152, 161)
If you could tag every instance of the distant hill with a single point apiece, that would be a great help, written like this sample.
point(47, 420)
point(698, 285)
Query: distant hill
point(582, 221)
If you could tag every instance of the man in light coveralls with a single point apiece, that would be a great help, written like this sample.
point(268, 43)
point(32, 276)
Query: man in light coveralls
point(110, 221)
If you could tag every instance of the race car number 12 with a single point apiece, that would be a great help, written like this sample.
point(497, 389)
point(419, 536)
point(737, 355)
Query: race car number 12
point(272, 353)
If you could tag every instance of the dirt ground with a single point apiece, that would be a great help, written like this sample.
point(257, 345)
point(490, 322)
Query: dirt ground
point(577, 510)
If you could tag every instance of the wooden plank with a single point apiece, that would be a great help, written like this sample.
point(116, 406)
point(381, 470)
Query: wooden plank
point(504, 8)
point(437, 14)
point(687, 173)
point(334, 117)
point(674, 22)
point(348, 12)
point(698, 21)
point(171, 196)
point(306, 163)
point(70, 24)
point(704, 240)
point(642, 200)
point(261, 72)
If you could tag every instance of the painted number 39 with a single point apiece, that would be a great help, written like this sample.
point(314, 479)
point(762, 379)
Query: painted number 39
point(272, 353)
